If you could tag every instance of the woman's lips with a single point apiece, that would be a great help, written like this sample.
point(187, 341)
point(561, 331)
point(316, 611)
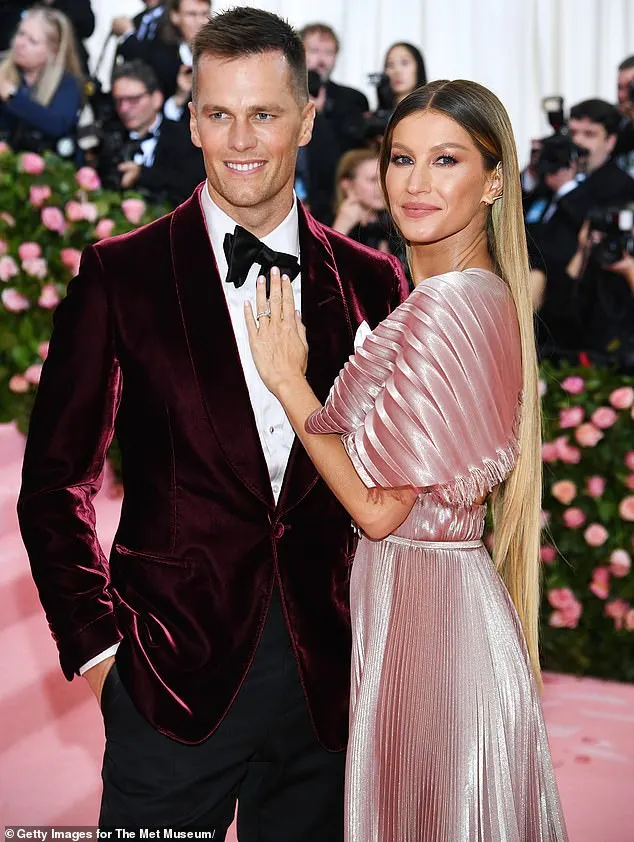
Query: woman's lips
point(418, 210)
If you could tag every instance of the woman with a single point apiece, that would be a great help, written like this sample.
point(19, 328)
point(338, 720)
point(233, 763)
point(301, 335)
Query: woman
point(359, 204)
point(447, 741)
point(40, 82)
point(405, 68)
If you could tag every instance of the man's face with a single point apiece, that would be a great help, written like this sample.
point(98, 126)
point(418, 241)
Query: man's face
point(190, 18)
point(249, 124)
point(137, 109)
point(593, 137)
point(321, 54)
point(625, 78)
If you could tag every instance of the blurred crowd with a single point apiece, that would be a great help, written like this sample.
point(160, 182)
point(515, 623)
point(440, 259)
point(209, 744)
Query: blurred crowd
point(578, 184)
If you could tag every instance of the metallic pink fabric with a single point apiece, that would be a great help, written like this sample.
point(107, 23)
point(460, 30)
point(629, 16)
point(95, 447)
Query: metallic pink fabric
point(447, 739)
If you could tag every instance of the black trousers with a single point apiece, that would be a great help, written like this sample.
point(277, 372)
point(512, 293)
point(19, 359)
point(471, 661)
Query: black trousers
point(264, 754)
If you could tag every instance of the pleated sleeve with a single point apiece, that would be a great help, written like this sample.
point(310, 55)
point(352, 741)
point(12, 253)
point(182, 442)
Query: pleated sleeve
point(431, 399)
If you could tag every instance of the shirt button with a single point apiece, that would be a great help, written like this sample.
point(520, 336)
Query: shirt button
point(271, 430)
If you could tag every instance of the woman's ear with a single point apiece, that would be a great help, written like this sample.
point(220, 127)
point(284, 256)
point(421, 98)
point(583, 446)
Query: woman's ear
point(347, 187)
point(495, 186)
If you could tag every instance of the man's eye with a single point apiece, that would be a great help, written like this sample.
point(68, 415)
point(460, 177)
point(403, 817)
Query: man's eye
point(217, 115)
point(263, 116)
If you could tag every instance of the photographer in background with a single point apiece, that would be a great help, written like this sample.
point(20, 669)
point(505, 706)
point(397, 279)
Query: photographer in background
point(169, 52)
point(142, 150)
point(40, 83)
point(624, 151)
point(403, 72)
point(342, 107)
point(589, 307)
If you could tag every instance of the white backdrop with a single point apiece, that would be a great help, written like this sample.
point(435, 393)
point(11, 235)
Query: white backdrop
point(521, 49)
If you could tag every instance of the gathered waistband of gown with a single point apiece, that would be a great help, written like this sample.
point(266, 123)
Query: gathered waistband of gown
point(434, 545)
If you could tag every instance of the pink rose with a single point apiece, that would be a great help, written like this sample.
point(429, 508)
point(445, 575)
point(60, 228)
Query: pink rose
point(570, 455)
point(544, 518)
point(71, 259)
point(588, 435)
point(32, 164)
point(620, 563)
point(28, 251)
point(561, 597)
point(573, 385)
point(616, 609)
point(36, 268)
point(4, 147)
point(74, 212)
point(622, 398)
point(564, 490)
point(133, 210)
point(596, 535)
point(629, 482)
point(38, 194)
point(49, 297)
point(42, 350)
point(19, 384)
point(548, 554)
point(8, 219)
point(32, 374)
point(88, 179)
point(89, 211)
point(600, 585)
point(8, 268)
point(629, 620)
point(53, 219)
point(571, 416)
point(549, 452)
point(604, 417)
point(3, 247)
point(542, 388)
point(595, 486)
point(104, 228)
point(574, 518)
point(626, 508)
point(14, 301)
point(629, 459)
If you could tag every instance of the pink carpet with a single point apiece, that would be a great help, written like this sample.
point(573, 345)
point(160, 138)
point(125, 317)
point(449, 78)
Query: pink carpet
point(51, 735)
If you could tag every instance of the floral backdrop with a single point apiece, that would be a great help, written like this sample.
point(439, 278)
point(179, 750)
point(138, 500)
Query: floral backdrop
point(49, 212)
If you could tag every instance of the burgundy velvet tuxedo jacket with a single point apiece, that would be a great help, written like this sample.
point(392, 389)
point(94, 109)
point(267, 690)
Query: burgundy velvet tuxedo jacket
point(144, 341)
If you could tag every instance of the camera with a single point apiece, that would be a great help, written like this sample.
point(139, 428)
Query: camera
point(615, 225)
point(115, 148)
point(376, 123)
point(558, 152)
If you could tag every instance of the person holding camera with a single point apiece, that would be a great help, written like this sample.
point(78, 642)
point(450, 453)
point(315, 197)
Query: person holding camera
point(342, 107)
point(589, 306)
point(143, 150)
point(40, 82)
point(169, 52)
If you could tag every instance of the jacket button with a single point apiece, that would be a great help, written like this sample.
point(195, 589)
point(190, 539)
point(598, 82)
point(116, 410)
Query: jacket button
point(278, 531)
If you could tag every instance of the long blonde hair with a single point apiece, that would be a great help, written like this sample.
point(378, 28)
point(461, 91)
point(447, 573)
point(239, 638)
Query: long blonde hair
point(64, 58)
point(515, 503)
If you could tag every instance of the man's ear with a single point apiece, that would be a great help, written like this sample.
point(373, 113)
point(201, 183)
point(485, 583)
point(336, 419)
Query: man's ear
point(193, 125)
point(612, 139)
point(308, 121)
point(157, 100)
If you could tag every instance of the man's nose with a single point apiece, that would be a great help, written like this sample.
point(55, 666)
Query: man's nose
point(242, 136)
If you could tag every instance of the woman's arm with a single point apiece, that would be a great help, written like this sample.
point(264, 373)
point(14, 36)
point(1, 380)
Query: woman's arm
point(55, 119)
point(278, 343)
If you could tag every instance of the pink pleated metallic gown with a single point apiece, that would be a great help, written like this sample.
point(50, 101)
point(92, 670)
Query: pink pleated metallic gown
point(447, 740)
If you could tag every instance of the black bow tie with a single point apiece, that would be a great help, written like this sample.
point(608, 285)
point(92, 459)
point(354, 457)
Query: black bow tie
point(243, 249)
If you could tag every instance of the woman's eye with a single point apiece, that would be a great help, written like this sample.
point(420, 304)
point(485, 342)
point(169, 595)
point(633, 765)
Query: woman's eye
point(401, 160)
point(446, 160)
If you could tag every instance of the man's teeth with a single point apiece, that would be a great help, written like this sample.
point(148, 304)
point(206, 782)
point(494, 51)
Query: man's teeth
point(244, 167)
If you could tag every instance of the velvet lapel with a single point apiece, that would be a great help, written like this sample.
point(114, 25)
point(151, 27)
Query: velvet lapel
point(330, 339)
point(213, 349)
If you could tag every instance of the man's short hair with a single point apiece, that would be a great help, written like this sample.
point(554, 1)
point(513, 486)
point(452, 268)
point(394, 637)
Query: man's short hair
point(136, 69)
point(319, 29)
point(598, 111)
point(627, 63)
point(247, 32)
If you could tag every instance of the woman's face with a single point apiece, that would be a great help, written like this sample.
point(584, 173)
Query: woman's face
point(31, 49)
point(364, 186)
point(400, 66)
point(436, 181)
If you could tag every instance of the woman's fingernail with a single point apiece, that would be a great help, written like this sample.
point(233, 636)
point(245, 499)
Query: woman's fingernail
point(261, 280)
point(285, 278)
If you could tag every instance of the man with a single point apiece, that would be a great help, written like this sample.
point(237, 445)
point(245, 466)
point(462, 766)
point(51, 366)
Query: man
point(227, 586)
point(624, 150)
point(159, 157)
point(169, 52)
point(592, 127)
